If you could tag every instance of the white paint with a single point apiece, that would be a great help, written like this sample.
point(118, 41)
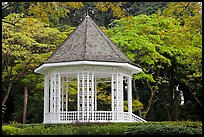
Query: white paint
point(128, 66)
point(57, 85)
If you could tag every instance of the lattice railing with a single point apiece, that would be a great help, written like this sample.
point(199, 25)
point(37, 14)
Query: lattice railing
point(137, 119)
point(98, 116)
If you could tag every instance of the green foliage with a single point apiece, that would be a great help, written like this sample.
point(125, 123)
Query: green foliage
point(43, 10)
point(136, 105)
point(33, 130)
point(9, 130)
point(163, 48)
point(101, 130)
point(161, 129)
point(43, 130)
point(144, 128)
point(148, 8)
point(167, 46)
point(26, 43)
point(103, 96)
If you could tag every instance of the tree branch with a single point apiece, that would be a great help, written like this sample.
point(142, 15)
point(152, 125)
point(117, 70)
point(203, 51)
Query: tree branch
point(14, 24)
point(8, 22)
point(194, 96)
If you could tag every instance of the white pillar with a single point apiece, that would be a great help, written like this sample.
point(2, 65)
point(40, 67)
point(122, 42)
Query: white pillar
point(78, 92)
point(95, 87)
point(59, 94)
point(119, 97)
point(92, 95)
point(67, 95)
point(114, 96)
point(129, 80)
point(82, 96)
point(52, 97)
point(87, 95)
point(62, 95)
point(46, 96)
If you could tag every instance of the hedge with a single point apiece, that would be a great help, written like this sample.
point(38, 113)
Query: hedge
point(144, 128)
point(9, 130)
point(161, 129)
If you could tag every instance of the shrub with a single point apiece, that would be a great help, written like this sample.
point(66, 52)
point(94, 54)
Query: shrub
point(60, 130)
point(46, 130)
point(161, 129)
point(144, 128)
point(9, 130)
point(33, 130)
point(101, 129)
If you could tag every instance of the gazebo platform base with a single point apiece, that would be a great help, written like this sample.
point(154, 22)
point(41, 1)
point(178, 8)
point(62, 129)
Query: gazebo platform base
point(90, 117)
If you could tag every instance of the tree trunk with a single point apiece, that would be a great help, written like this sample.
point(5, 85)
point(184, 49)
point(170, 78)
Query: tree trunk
point(7, 93)
point(149, 102)
point(25, 104)
point(136, 95)
point(196, 99)
point(174, 97)
point(166, 101)
point(176, 105)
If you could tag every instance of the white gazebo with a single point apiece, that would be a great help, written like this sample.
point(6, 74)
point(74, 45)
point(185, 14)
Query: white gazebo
point(85, 58)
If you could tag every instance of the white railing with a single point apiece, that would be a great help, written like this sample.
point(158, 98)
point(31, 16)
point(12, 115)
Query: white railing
point(137, 119)
point(95, 116)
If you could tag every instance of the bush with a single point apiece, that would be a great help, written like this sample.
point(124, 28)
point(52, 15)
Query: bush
point(9, 130)
point(33, 130)
point(144, 128)
point(161, 129)
point(60, 130)
point(46, 130)
point(101, 130)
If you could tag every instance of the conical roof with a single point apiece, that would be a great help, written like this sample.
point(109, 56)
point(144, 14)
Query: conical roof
point(87, 43)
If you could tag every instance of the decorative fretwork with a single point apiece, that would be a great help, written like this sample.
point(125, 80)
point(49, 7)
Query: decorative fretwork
point(114, 96)
point(120, 96)
point(86, 95)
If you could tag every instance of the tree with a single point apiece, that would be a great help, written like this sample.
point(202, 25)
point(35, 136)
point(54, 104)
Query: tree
point(147, 8)
point(188, 69)
point(26, 43)
point(154, 44)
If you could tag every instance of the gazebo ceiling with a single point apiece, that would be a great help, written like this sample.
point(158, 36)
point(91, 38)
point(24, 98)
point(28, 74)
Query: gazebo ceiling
point(87, 44)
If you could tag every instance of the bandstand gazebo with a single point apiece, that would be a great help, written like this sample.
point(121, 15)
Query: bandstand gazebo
point(85, 57)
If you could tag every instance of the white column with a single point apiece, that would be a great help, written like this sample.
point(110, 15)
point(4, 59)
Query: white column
point(62, 95)
point(59, 94)
point(129, 79)
point(67, 95)
point(78, 92)
point(54, 90)
point(117, 95)
point(83, 96)
point(95, 88)
point(112, 96)
point(120, 103)
point(92, 95)
point(55, 97)
point(52, 97)
point(87, 95)
point(46, 95)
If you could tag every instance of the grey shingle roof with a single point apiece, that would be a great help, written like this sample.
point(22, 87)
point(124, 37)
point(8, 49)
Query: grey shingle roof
point(87, 43)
